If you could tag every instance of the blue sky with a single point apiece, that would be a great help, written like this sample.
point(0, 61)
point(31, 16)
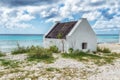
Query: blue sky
point(37, 16)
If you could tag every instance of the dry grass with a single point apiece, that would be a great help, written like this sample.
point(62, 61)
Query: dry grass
point(105, 58)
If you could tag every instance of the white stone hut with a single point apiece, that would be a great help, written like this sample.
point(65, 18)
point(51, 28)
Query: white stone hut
point(74, 34)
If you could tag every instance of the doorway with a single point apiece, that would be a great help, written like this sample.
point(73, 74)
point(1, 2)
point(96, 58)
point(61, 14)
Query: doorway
point(84, 45)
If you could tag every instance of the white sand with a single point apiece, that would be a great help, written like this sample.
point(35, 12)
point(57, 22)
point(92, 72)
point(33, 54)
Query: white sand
point(75, 70)
point(114, 47)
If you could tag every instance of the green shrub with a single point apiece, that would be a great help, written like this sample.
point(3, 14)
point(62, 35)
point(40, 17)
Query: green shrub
point(20, 50)
point(85, 56)
point(80, 55)
point(114, 54)
point(54, 49)
point(2, 54)
point(36, 53)
point(99, 49)
point(106, 50)
point(70, 50)
point(40, 54)
point(9, 63)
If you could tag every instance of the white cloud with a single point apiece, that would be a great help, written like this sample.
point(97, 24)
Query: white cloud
point(78, 7)
point(16, 20)
point(92, 15)
point(108, 25)
point(24, 17)
point(56, 12)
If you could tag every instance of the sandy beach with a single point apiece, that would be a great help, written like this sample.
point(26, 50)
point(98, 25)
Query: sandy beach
point(114, 47)
point(61, 69)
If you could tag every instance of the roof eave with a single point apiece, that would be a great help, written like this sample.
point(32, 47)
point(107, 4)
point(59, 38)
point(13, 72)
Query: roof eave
point(50, 29)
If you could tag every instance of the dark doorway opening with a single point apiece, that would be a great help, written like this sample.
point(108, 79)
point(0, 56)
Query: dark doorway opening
point(84, 45)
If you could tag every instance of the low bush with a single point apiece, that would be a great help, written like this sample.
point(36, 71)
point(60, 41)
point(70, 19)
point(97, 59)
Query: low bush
point(20, 50)
point(114, 54)
point(80, 55)
point(85, 56)
point(9, 63)
point(40, 54)
point(54, 49)
point(2, 54)
point(37, 53)
point(70, 50)
point(104, 50)
point(99, 49)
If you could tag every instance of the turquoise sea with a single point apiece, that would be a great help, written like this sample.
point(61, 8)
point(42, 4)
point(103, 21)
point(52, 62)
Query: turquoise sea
point(9, 41)
point(107, 38)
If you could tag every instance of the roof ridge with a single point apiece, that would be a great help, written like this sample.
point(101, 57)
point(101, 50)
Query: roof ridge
point(69, 22)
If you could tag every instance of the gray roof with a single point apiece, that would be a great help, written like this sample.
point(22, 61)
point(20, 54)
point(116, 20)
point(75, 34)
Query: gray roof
point(60, 30)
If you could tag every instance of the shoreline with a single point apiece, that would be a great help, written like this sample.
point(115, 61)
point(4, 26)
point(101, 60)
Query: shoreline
point(114, 47)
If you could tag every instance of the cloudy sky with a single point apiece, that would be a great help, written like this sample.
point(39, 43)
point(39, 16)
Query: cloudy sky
point(37, 16)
